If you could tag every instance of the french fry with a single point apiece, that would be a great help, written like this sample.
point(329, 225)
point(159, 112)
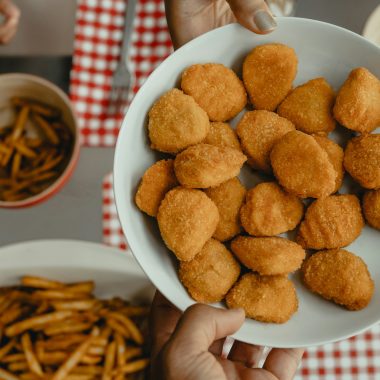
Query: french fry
point(16, 164)
point(40, 283)
point(88, 370)
point(33, 142)
point(81, 287)
point(75, 358)
point(67, 327)
point(132, 352)
point(13, 358)
point(59, 294)
point(47, 129)
point(106, 332)
point(96, 350)
point(6, 349)
point(28, 376)
point(132, 367)
point(12, 314)
point(109, 361)
point(18, 366)
point(52, 358)
point(31, 359)
point(91, 360)
point(24, 149)
point(129, 325)
point(86, 304)
point(135, 311)
point(63, 342)
point(118, 327)
point(5, 375)
point(31, 323)
point(120, 349)
point(37, 107)
point(20, 123)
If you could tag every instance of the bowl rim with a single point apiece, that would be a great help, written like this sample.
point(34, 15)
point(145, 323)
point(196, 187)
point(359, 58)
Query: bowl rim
point(57, 185)
point(118, 188)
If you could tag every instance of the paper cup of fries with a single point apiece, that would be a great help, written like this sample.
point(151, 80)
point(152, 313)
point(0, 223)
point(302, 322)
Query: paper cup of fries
point(39, 140)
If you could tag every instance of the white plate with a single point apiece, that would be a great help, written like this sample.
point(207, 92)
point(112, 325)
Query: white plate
point(372, 26)
point(116, 273)
point(323, 50)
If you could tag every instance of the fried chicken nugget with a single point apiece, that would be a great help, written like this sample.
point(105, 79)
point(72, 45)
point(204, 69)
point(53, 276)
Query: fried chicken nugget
point(155, 183)
point(357, 103)
point(205, 165)
point(310, 106)
point(211, 273)
point(221, 134)
point(268, 74)
point(362, 160)
point(331, 222)
point(371, 208)
point(269, 255)
point(336, 155)
point(176, 121)
point(270, 299)
point(216, 88)
point(302, 167)
point(339, 276)
point(228, 197)
point(187, 218)
point(258, 132)
point(268, 210)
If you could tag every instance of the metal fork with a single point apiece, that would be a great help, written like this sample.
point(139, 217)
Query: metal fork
point(123, 77)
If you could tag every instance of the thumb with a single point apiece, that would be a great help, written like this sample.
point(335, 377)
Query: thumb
point(253, 15)
point(201, 325)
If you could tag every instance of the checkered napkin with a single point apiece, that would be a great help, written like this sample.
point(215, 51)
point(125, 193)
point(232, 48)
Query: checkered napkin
point(357, 358)
point(98, 35)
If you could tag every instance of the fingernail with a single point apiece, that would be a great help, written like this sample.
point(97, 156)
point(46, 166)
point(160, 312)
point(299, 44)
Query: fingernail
point(264, 21)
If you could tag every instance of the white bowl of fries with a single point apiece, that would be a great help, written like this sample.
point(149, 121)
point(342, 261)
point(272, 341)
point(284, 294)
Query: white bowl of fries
point(60, 324)
point(39, 140)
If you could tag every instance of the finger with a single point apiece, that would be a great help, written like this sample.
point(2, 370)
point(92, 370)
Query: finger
point(163, 320)
point(283, 362)
point(247, 354)
point(9, 10)
point(201, 325)
point(254, 15)
point(217, 347)
point(7, 35)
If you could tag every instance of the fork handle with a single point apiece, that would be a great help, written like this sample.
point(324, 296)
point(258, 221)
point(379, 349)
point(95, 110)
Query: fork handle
point(128, 29)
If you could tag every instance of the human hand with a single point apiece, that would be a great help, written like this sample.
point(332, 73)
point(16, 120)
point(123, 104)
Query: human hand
point(189, 346)
point(190, 19)
point(12, 16)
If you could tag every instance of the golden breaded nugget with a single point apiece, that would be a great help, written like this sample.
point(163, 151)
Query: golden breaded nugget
point(302, 167)
point(371, 208)
point(268, 210)
point(357, 103)
point(362, 160)
point(204, 165)
point(270, 299)
point(331, 222)
point(221, 134)
point(187, 218)
point(155, 183)
point(268, 74)
point(339, 276)
point(268, 255)
point(228, 197)
point(216, 88)
point(176, 121)
point(336, 155)
point(211, 273)
point(309, 107)
point(258, 132)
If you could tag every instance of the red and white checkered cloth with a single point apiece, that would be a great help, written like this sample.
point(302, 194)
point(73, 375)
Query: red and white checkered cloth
point(357, 358)
point(98, 35)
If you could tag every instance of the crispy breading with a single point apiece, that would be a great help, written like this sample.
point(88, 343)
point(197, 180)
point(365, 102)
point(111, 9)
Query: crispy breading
point(211, 273)
point(268, 255)
point(302, 167)
point(155, 183)
point(268, 210)
point(336, 155)
point(362, 160)
point(228, 197)
point(205, 165)
point(268, 74)
point(264, 298)
point(221, 134)
point(309, 107)
point(216, 88)
point(339, 276)
point(371, 208)
point(331, 222)
point(258, 132)
point(357, 103)
point(176, 121)
point(187, 218)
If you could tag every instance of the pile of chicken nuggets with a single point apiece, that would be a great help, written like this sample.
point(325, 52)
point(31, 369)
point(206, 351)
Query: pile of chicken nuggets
point(224, 235)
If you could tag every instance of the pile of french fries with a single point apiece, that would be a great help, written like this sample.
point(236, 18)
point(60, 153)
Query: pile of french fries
point(56, 331)
point(28, 165)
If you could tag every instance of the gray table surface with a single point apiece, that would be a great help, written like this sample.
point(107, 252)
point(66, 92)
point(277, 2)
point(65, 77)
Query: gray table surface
point(75, 213)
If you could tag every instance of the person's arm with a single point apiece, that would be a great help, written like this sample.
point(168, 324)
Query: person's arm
point(189, 346)
point(11, 19)
point(189, 19)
